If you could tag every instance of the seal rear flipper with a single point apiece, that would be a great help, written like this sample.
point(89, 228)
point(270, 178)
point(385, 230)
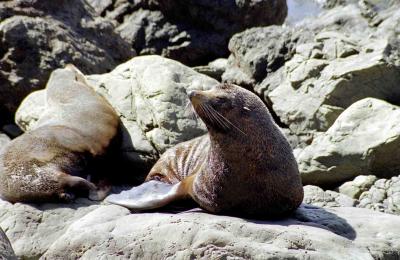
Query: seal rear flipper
point(149, 195)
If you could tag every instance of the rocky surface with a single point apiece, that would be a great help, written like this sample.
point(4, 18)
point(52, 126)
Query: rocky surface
point(87, 231)
point(193, 32)
point(214, 69)
point(4, 139)
point(309, 73)
point(383, 195)
point(6, 251)
point(363, 140)
point(149, 93)
point(37, 36)
point(356, 187)
point(318, 197)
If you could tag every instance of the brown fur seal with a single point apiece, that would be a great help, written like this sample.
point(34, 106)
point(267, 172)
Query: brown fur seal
point(244, 166)
point(48, 163)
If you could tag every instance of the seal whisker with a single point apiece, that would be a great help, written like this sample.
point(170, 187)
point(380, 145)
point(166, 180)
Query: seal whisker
point(217, 120)
point(207, 114)
point(226, 120)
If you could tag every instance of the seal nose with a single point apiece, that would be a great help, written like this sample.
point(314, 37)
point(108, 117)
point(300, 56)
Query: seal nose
point(192, 93)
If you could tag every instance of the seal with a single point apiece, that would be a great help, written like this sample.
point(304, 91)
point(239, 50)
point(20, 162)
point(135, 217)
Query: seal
point(50, 162)
point(244, 165)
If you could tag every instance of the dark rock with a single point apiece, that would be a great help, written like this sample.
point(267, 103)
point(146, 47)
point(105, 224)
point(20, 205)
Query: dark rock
point(192, 32)
point(38, 36)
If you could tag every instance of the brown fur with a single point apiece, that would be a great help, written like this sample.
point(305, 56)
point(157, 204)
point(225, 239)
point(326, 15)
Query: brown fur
point(48, 162)
point(246, 170)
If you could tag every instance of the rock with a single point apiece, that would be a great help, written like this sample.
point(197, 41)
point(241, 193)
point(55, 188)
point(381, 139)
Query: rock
point(259, 52)
point(347, 150)
point(6, 251)
point(383, 196)
point(149, 93)
point(33, 228)
point(38, 36)
point(310, 72)
point(317, 90)
point(88, 231)
point(4, 139)
point(194, 32)
point(214, 69)
point(354, 188)
point(318, 197)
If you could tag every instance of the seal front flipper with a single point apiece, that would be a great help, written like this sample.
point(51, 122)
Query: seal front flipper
point(152, 194)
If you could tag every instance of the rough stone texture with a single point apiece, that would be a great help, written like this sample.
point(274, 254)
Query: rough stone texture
point(325, 77)
point(4, 139)
point(258, 52)
point(33, 228)
point(37, 36)
point(318, 197)
point(149, 93)
point(6, 251)
point(354, 188)
point(365, 139)
point(309, 73)
point(383, 196)
point(214, 69)
point(193, 32)
point(89, 231)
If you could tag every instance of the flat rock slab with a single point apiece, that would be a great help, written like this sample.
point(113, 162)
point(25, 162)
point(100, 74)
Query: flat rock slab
point(87, 231)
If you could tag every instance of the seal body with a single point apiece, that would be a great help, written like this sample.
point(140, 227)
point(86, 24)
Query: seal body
point(243, 166)
point(51, 161)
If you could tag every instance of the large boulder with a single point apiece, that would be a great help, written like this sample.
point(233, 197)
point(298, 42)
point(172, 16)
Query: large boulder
point(6, 250)
point(193, 32)
point(149, 93)
point(325, 77)
point(87, 231)
point(310, 72)
point(38, 36)
point(365, 139)
point(258, 52)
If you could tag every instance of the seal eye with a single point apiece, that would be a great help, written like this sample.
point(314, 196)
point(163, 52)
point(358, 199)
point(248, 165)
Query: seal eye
point(224, 86)
point(220, 101)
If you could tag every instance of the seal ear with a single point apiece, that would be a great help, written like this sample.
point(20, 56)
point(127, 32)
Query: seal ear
point(149, 195)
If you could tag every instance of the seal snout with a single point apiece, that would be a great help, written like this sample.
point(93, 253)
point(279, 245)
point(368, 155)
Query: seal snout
point(195, 96)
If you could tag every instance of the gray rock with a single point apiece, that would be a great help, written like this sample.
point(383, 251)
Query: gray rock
point(315, 91)
point(149, 93)
point(6, 251)
point(258, 52)
point(32, 229)
point(38, 36)
point(383, 196)
point(214, 69)
point(318, 197)
point(4, 139)
point(347, 148)
point(193, 32)
point(87, 231)
point(354, 188)
point(310, 72)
